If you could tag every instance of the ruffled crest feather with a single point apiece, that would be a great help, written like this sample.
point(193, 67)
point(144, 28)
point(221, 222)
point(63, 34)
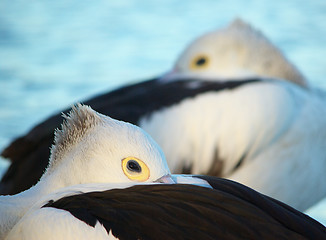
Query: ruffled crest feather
point(77, 123)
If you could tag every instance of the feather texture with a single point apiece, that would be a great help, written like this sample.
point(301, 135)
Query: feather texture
point(177, 211)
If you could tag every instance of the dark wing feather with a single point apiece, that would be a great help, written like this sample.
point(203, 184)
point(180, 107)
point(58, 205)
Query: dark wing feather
point(30, 153)
point(283, 213)
point(190, 212)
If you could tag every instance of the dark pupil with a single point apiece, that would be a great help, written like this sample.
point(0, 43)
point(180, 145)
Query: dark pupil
point(201, 61)
point(133, 166)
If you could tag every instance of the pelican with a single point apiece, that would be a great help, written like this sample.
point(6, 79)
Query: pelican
point(90, 148)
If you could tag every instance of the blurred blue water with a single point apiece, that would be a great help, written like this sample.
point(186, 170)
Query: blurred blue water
point(53, 53)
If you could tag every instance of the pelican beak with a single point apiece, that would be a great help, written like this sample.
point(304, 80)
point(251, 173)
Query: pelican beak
point(165, 179)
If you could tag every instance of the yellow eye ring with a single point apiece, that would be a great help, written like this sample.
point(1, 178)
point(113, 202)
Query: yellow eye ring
point(199, 62)
point(135, 169)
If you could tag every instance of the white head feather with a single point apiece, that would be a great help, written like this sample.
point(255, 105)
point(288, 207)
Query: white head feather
point(238, 51)
point(91, 146)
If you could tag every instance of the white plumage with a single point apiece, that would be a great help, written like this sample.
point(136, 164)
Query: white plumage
point(268, 135)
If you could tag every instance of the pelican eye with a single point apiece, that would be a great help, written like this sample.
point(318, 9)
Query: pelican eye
point(133, 166)
point(135, 169)
point(200, 61)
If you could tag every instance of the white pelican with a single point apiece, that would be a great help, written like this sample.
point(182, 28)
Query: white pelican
point(90, 148)
point(236, 52)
